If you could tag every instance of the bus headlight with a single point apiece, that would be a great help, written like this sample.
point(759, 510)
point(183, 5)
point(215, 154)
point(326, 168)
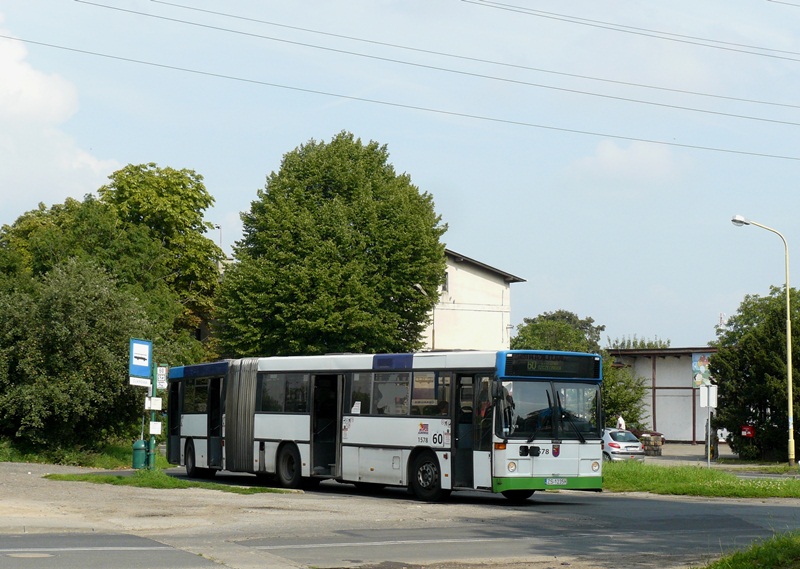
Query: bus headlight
point(512, 465)
point(595, 466)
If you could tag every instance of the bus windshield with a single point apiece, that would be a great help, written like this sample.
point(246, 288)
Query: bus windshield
point(549, 410)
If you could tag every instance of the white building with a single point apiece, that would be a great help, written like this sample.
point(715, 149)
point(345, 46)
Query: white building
point(474, 309)
point(672, 402)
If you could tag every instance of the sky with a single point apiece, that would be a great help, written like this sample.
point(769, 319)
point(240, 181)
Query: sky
point(596, 149)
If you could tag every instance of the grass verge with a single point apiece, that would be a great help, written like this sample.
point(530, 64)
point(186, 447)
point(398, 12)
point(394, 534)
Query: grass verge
point(632, 476)
point(111, 456)
point(780, 552)
point(159, 480)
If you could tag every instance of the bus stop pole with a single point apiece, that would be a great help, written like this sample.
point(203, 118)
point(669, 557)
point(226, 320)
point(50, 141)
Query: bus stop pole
point(151, 451)
point(708, 435)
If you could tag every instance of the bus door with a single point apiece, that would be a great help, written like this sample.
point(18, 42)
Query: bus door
point(482, 433)
point(215, 422)
point(174, 419)
point(325, 421)
point(465, 406)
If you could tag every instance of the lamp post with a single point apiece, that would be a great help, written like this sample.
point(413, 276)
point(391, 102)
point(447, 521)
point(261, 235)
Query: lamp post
point(738, 221)
point(220, 263)
point(218, 226)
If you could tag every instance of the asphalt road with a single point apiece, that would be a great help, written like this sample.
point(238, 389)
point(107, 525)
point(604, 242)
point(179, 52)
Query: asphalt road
point(46, 523)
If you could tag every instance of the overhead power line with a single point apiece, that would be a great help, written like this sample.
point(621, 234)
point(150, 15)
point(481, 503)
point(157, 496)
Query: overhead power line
point(476, 59)
point(691, 40)
point(444, 69)
point(786, 3)
point(402, 105)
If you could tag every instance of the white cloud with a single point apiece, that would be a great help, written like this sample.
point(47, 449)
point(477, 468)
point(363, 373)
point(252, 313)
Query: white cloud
point(28, 95)
point(622, 170)
point(39, 162)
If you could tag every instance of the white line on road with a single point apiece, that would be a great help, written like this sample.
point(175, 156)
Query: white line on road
point(64, 549)
point(374, 543)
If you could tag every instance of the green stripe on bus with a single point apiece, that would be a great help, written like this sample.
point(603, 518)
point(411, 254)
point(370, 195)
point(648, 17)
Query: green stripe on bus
point(548, 483)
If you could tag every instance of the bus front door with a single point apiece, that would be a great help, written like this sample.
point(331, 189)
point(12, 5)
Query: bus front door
point(215, 423)
point(482, 434)
point(325, 421)
point(174, 426)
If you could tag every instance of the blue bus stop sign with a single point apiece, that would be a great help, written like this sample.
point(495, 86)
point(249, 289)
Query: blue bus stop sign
point(141, 358)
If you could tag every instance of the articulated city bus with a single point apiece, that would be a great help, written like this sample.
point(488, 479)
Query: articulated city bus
point(510, 422)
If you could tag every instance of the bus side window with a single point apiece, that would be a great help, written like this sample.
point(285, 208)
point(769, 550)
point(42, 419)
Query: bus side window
point(272, 390)
point(390, 393)
point(296, 393)
point(360, 398)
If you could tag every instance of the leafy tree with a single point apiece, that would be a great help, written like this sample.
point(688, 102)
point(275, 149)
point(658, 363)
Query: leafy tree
point(636, 343)
point(334, 252)
point(559, 330)
point(623, 393)
point(750, 369)
point(91, 230)
point(58, 245)
point(43, 238)
point(63, 357)
point(170, 204)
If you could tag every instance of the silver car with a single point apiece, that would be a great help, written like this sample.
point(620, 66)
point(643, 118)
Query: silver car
point(621, 445)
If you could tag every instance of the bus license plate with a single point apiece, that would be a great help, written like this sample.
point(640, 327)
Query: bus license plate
point(555, 481)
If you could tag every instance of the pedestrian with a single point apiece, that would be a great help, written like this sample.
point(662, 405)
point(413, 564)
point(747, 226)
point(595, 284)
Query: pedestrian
point(620, 423)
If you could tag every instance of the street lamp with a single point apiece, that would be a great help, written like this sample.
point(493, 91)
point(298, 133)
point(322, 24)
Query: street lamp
point(218, 226)
point(739, 220)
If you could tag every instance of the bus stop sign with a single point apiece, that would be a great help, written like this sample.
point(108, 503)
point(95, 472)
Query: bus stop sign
point(140, 362)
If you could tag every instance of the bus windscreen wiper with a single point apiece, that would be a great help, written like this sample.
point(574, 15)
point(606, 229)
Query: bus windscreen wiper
point(565, 415)
point(537, 429)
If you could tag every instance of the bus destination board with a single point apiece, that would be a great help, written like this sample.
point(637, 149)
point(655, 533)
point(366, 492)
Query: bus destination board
point(552, 365)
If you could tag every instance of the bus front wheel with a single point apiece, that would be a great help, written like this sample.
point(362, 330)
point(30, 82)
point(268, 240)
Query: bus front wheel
point(289, 472)
point(426, 478)
point(517, 496)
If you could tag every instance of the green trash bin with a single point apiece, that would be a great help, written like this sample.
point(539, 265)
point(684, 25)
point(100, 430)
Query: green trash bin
point(140, 454)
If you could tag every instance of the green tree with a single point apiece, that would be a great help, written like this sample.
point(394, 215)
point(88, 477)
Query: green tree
point(560, 330)
point(636, 343)
point(46, 237)
point(91, 230)
point(54, 251)
point(623, 394)
point(623, 391)
point(63, 357)
point(750, 369)
point(334, 252)
point(170, 204)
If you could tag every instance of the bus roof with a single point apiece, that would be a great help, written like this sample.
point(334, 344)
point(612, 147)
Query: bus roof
point(467, 359)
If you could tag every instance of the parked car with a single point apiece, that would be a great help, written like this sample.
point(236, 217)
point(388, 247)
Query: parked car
point(621, 445)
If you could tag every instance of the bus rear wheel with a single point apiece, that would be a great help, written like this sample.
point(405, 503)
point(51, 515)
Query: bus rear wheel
point(288, 470)
point(517, 496)
point(191, 465)
point(426, 478)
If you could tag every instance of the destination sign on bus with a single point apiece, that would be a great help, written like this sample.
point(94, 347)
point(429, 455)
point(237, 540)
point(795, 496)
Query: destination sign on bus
point(552, 365)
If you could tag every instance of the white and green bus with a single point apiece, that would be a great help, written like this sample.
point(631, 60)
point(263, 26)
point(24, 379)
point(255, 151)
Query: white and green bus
point(509, 422)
